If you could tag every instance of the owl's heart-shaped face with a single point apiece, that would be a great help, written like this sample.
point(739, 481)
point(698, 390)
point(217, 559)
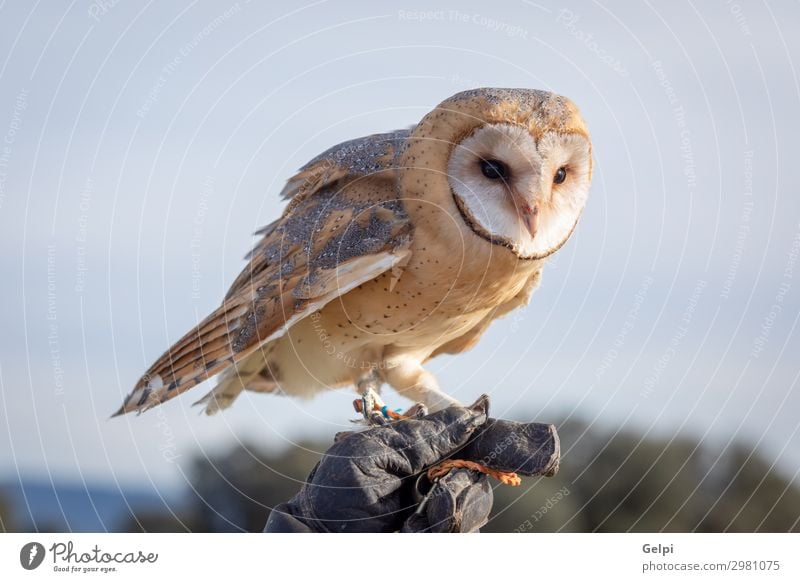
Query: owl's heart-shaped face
point(518, 191)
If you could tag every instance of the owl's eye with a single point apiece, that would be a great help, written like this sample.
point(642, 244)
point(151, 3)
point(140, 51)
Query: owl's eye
point(561, 175)
point(494, 169)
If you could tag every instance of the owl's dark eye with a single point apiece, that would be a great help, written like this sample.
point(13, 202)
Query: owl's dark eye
point(561, 175)
point(494, 169)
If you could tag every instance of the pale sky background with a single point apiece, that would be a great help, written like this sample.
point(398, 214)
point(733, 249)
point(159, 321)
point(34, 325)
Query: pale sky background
point(141, 144)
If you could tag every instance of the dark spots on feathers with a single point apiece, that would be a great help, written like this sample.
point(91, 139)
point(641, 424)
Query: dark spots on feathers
point(145, 395)
point(363, 155)
point(357, 240)
point(248, 329)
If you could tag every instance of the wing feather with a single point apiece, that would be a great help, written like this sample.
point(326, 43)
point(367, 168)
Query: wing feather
point(358, 157)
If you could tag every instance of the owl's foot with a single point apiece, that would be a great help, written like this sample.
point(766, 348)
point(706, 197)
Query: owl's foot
point(372, 408)
point(374, 411)
point(418, 410)
point(444, 468)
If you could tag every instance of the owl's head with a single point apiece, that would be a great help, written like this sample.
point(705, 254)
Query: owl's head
point(518, 165)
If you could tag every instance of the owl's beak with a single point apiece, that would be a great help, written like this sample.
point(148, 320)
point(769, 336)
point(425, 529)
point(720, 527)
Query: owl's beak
point(528, 211)
point(530, 216)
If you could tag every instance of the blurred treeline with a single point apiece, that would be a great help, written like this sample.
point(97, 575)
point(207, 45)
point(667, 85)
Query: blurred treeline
point(607, 483)
point(5, 516)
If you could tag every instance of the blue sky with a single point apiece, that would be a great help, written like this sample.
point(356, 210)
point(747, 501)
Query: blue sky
point(141, 144)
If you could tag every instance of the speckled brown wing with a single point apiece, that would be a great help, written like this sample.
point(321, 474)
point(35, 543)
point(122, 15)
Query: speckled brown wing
point(373, 156)
point(330, 239)
point(364, 156)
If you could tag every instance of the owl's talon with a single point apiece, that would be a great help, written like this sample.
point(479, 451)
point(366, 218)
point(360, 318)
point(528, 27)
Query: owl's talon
point(418, 410)
point(377, 419)
point(369, 402)
point(370, 406)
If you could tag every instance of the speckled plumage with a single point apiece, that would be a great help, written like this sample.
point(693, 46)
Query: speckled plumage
point(364, 155)
point(374, 267)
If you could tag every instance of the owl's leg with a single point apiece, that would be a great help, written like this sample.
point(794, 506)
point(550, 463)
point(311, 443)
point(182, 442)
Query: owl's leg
point(370, 405)
point(369, 381)
point(416, 383)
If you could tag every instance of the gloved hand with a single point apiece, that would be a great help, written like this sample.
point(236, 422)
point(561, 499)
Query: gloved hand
point(375, 481)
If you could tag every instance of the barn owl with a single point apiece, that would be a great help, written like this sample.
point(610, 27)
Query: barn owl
point(393, 248)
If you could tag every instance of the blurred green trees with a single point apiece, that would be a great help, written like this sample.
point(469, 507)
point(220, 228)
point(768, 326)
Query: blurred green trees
point(6, 524)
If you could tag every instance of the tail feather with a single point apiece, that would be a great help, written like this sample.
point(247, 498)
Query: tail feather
point(237, 329)
point(202, 353)
point(218, 325)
